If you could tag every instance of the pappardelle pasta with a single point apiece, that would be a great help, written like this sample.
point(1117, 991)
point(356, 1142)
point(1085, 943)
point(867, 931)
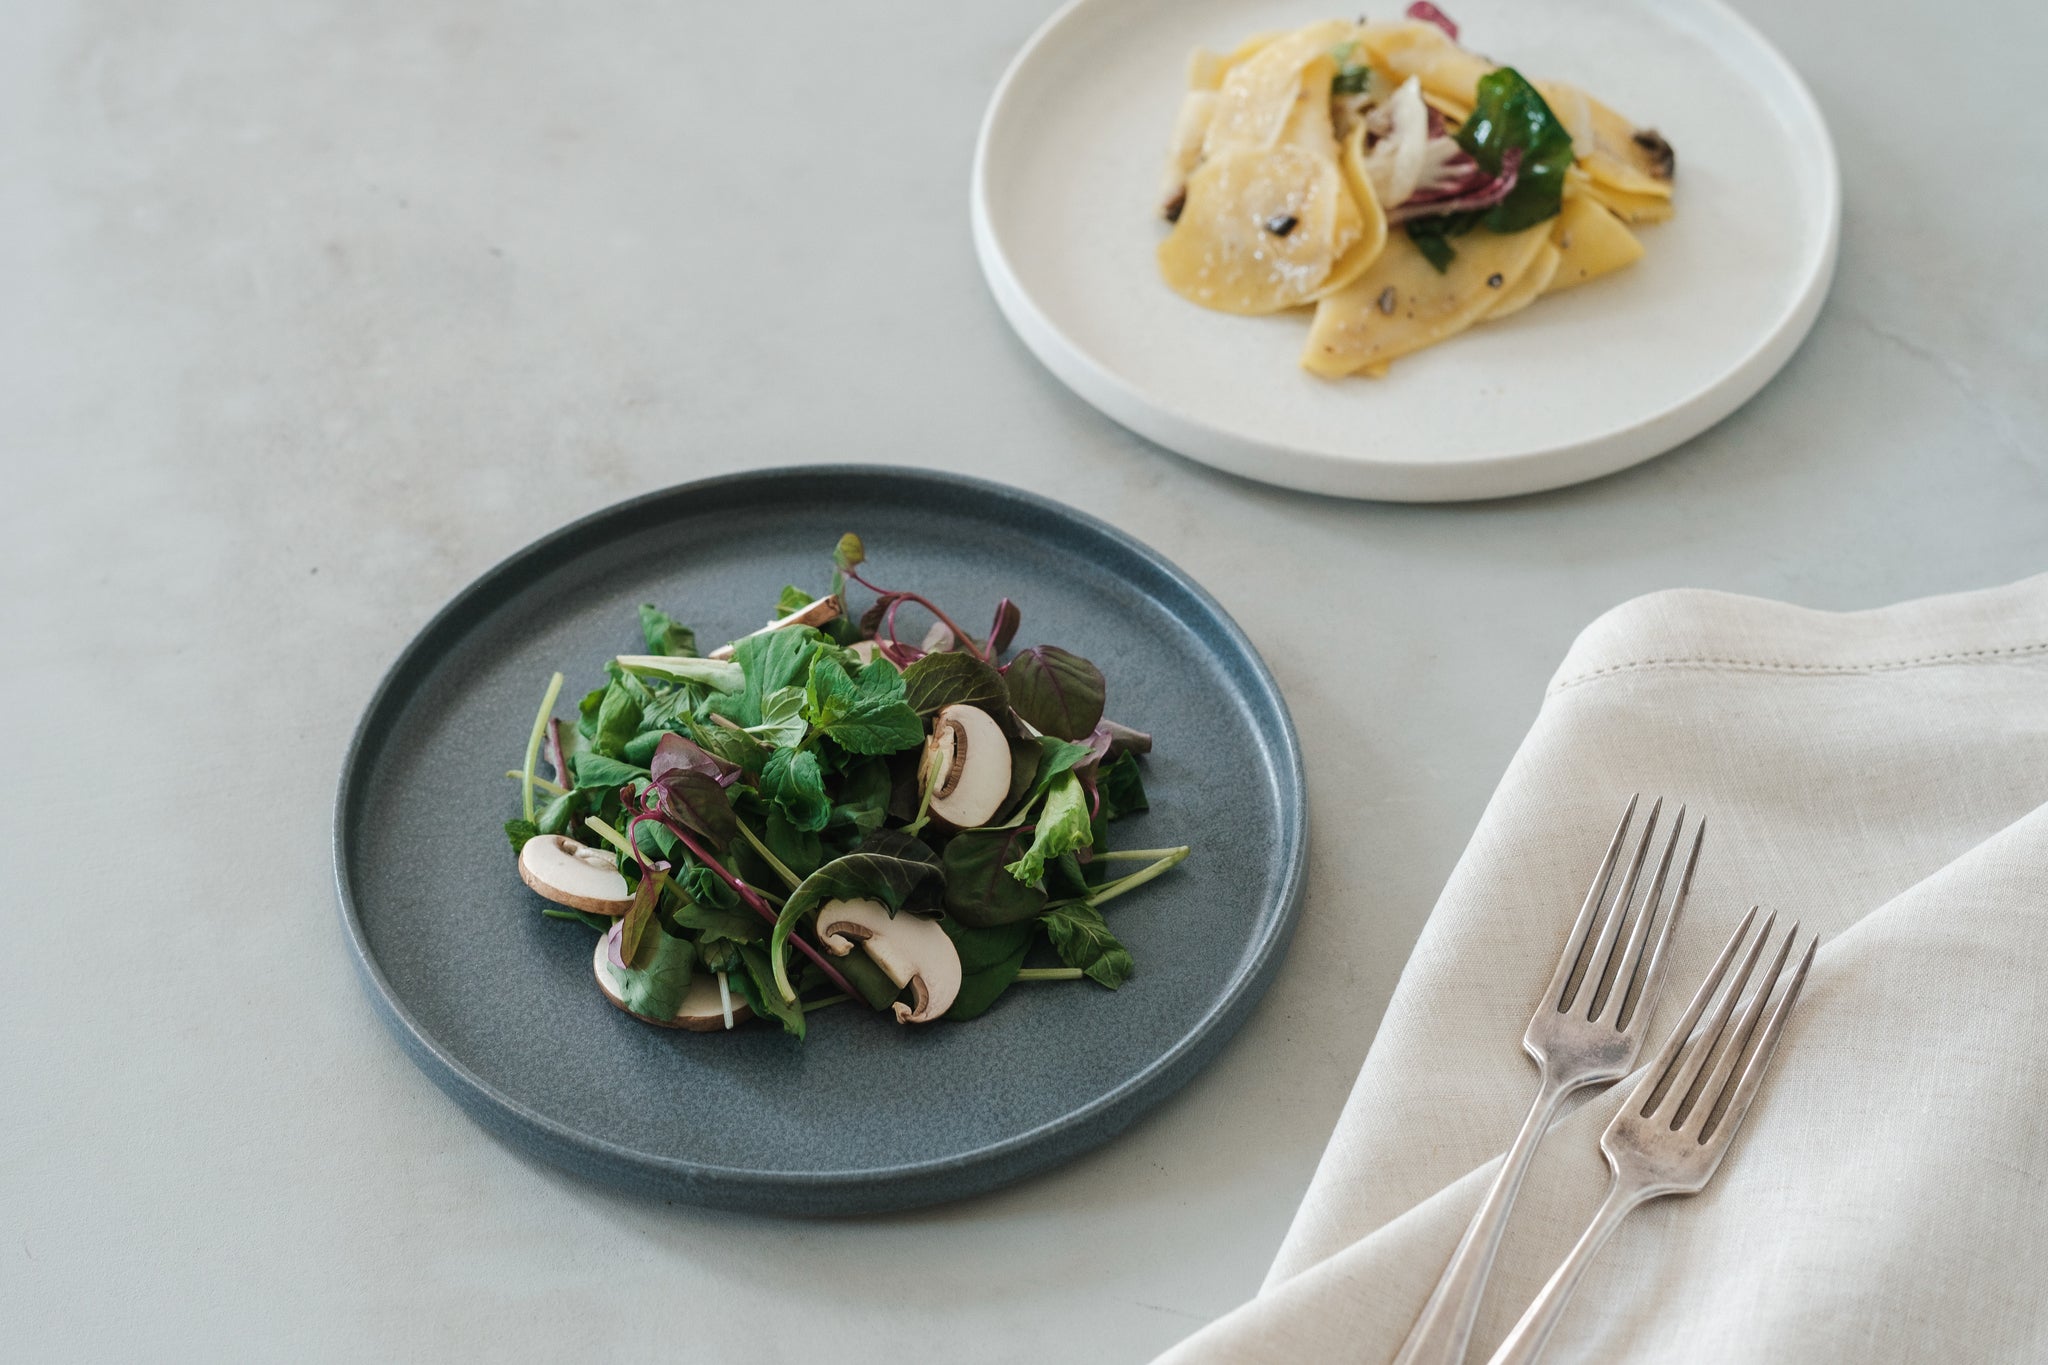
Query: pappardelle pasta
point(1403, 187)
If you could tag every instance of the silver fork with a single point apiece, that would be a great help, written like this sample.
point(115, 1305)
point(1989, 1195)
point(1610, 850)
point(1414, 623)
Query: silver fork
point(1587, 1030)
point(1671, 1135)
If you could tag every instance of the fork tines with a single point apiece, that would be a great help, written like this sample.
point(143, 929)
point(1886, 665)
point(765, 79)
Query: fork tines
point(1703, 1080)
point(1595, 980)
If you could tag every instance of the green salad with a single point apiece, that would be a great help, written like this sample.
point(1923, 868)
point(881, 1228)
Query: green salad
point(824, 813)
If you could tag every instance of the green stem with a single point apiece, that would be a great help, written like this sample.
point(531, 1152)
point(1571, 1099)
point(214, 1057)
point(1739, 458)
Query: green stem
point(610, 836)
point(772, 861)
point(1109, 891)
point(928, 775)
point(1136, 855)
point(540, 729)
point(827, 1002)
point(1050, 974)
point(551, 788)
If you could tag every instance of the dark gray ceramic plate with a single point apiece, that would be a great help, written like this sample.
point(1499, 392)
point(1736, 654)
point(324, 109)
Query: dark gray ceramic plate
point(497, 1003)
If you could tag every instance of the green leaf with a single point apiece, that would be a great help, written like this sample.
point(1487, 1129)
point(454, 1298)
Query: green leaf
point(1058, 693)
point(769, 663)
point(1083, 940)
point(519, 831)
point(865, 714)
point(1056, 756)
point(560, 815)
point(782, 718)
point(666, 635)
point(885, 868)
point(863, 796)
point(712, 924)
point(790, 599)
point(800, 850)
point(717, 674)
point(1508, 112)
point(1122, 787)
point(758, 984)
point(1062, 827)
point(655, 990)
point(951, 678)
point(602, 923)
point(640, 748)
point(595, 770)
point(1432, 237)
point(980, 891)
point(850, 554)
point(736, 747)
point(989, 962)
point(618, 717)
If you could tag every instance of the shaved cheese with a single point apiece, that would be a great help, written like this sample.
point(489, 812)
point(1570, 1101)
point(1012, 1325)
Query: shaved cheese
point(1426, 52)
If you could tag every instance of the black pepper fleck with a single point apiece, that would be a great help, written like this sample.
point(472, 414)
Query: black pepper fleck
point(1494, 280)
point(1171, 212)
point(1280, 224)
point(1387, 300)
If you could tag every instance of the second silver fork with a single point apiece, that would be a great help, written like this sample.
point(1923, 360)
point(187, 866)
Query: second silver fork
point(1587, 1030)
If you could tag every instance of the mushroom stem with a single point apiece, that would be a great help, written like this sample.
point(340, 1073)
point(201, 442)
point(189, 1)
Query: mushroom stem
point(540, 726)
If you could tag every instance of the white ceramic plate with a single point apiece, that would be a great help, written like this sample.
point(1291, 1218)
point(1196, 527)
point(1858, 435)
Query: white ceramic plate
point(1066, 181)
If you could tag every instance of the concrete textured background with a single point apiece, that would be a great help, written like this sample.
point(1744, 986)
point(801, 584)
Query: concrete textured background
point(312, 311)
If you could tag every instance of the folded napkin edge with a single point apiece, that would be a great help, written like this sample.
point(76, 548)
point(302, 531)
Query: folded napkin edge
point(1705, 628)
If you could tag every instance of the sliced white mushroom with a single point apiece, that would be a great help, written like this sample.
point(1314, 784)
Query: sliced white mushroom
point(702, 1009)
point(816, 613)
point(913, 952)
point(940, 639)
point(575, 875)
point(970, 766)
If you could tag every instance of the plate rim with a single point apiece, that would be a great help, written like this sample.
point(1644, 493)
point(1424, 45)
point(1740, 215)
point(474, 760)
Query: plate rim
point(1513, 474)
point(876, 1189)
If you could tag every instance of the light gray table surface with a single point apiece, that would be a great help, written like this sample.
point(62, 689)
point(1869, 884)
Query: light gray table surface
point(311, 312)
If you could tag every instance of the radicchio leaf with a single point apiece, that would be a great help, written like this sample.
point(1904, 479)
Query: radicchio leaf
point(1429, 14)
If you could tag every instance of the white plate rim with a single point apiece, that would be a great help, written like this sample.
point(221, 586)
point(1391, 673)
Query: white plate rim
point(1316, 471)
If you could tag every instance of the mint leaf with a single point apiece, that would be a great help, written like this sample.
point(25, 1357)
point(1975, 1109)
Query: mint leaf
point(793, 781)
point(1062, 827)
point(666, 635)
point(769, 662)
point(519, 831)
point(782, 718)
point(1083, 940)
point(863, 796)
point(791, 598)
point(1058, 693)
point(863, 715)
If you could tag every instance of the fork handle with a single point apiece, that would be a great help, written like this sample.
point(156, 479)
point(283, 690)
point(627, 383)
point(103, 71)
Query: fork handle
point(1444, 1329)
point(1525, 1343)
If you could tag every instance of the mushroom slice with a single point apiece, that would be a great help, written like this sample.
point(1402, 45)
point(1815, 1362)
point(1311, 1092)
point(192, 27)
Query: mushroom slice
point(816, 613)
point(913, 952)
point(701, 1011)
point(970, 758)
point(575, 875)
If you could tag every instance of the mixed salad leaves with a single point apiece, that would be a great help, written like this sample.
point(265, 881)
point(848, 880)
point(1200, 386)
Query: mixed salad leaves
point(824, 812)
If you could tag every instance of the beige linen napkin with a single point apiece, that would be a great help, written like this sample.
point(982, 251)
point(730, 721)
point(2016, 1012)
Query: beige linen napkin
point(1882, 776)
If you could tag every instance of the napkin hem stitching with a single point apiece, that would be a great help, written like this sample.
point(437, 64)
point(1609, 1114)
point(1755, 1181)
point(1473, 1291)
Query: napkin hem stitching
point(1960, 656)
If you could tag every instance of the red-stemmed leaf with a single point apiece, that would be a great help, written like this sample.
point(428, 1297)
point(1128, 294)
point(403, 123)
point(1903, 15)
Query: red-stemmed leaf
point(1056, 692)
